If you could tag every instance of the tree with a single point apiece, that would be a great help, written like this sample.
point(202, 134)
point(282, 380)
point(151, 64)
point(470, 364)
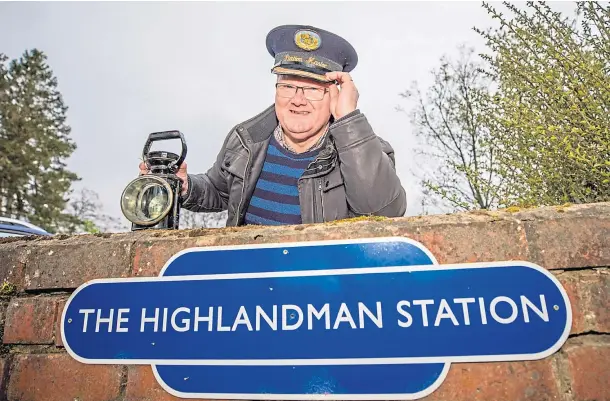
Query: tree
point(535, 113)
point(449, 118)
point(86, 209)
point(551, 109)
point(34, 144)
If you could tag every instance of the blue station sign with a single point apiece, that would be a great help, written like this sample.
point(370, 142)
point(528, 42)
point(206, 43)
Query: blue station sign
point(361, 319)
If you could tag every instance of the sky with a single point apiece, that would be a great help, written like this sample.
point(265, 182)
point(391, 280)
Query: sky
point(126, 69)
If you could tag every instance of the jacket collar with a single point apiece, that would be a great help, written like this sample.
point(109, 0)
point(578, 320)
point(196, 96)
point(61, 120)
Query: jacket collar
point(261, 126)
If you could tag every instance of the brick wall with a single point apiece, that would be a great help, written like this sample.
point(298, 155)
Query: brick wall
point(572, 242)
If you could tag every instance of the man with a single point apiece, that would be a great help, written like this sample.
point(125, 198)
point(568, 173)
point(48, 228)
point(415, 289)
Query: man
point(312, 156)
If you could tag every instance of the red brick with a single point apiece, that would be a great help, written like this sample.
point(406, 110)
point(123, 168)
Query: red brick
point(58, 377)
point(3, 307)
point(589, 365)
point(30, 321)
point(61, 303)
point(12, 268)
point(4, 367)
point(508, 381)
point(142, 386)
point(572, 239)
point(452, 239)
point(589, 293)
point(150, 256)
point(68, 264)
point(473, 240)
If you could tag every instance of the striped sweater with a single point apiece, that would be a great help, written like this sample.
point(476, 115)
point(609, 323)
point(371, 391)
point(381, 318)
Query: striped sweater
point(276, 197)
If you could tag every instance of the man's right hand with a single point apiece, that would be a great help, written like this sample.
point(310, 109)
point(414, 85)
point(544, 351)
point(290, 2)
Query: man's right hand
point(181, 173)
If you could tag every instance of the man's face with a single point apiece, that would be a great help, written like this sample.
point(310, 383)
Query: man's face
point(304, 113)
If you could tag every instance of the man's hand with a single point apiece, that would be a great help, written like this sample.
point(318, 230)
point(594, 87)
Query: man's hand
point(345, 100)
point(182, 174)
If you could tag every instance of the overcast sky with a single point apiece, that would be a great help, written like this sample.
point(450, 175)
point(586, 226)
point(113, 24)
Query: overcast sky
point(128, 69)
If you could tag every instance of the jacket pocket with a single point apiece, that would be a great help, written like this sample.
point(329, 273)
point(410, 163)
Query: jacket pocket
point(332, 180)
point(334, 202)
point(234, 165)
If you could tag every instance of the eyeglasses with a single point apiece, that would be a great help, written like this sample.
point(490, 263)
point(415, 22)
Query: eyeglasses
point(289, 91)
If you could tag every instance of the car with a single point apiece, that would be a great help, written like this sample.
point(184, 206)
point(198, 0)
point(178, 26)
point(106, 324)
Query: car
point(16, 228)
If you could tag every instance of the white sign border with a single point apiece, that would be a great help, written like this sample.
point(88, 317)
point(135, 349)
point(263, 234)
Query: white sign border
point(344, 361)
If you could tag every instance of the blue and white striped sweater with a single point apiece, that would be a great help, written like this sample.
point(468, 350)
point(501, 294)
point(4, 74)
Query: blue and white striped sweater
point(276, 197)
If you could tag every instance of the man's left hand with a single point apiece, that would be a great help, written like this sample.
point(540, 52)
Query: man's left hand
point(345, 100)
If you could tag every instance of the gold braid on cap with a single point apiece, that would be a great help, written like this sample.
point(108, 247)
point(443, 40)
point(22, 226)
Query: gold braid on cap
point(307, 74)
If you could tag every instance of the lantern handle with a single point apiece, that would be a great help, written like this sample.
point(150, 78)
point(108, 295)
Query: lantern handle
point(164, 135)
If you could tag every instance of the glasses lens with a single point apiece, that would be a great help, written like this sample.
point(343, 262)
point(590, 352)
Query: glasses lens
point(314, 93)
point(288, 91)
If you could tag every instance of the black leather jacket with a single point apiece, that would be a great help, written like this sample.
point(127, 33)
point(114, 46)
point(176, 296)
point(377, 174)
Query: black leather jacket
point(353, 175)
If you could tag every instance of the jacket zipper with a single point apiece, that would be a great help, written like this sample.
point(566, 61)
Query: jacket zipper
point(315, 206)
point(321, 199)
point(243, 183)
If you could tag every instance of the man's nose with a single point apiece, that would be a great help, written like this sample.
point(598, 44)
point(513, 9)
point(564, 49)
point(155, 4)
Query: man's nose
point(299, 97)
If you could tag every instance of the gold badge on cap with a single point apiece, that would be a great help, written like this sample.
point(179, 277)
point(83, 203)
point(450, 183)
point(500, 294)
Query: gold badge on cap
point(307, 40)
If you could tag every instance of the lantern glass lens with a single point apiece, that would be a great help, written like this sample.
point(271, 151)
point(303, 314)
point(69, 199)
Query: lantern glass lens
point(146, 200)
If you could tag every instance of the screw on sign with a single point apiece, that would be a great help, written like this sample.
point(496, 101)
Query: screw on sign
point(356, 319)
